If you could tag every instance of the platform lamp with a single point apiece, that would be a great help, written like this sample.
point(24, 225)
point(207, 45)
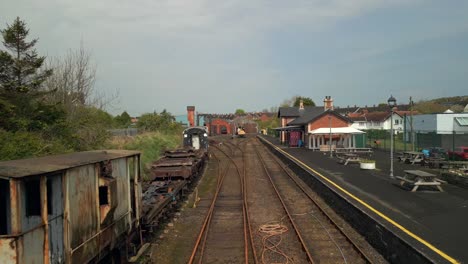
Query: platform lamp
point(330, 139)
point(391, 103)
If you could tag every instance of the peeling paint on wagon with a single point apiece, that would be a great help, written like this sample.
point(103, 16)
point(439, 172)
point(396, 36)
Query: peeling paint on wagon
point(8, 250)
point(74, 220)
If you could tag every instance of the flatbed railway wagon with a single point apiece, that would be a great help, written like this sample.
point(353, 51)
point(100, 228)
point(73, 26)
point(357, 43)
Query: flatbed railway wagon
point(71, 208)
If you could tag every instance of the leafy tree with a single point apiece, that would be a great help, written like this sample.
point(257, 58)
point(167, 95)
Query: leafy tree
point(306, 100)
point(240, 112)
point(295, 100)
point(88, 129)
point(21, 80)
point(163, 122)
point(123, 120)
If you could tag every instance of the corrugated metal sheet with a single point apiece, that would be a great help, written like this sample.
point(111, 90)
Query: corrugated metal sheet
point(56, 220)
point(82, 198)
point(120, 173)
point(33, 246)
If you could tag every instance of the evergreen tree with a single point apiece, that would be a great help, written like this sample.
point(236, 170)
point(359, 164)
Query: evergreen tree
point(21, 78)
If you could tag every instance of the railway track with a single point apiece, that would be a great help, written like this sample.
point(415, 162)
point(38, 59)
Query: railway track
point(261, 213)
point(225, 234)
point(321, 238)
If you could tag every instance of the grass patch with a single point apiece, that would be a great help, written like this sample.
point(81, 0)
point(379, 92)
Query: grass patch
point(152, 145)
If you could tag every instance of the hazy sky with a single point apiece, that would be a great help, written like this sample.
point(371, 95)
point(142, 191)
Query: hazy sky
point(220, 55)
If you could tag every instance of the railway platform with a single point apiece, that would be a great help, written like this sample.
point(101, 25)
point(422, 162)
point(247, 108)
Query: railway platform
point(431, 221)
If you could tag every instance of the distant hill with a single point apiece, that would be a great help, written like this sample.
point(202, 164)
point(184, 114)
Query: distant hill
point(449, 101)
point(439, 105)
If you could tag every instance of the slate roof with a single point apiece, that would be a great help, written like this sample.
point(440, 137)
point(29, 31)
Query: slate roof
point(294, 111)
point(311, 115)
point(308, 114)
point(372, 116)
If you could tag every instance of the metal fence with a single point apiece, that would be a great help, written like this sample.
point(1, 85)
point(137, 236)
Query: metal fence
point(124, 132)
point(418, 140)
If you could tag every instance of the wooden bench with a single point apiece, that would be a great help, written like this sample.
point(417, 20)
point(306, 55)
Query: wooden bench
point(420, 178)
point(348, 157)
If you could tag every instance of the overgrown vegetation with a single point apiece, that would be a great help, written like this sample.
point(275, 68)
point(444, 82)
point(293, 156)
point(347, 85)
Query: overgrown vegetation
point(151, 144)
point(51, 107)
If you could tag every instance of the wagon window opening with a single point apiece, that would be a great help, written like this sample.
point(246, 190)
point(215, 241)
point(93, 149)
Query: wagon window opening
point(4, 206)
point(49, 197)
point(103, 195)
point(33, 197)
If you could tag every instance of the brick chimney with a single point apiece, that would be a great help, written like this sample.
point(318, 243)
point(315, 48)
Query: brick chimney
point(191, 115)
point(328, 103)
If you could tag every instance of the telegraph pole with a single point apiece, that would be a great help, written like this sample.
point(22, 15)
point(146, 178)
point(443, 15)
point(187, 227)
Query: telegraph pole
point(411, 123)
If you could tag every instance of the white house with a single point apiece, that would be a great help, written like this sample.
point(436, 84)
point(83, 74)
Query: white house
point(377, 120)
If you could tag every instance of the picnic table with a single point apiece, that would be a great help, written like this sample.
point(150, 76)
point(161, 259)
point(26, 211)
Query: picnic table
point(411, 157)
point(349, 157)
point(418, 178)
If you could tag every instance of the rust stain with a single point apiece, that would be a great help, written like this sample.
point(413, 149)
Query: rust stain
point(8, 252)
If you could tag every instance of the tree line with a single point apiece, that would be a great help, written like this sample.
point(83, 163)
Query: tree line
point(51, 106)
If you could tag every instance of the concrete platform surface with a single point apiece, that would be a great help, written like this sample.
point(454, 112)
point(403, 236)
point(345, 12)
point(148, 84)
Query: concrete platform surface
point(439, 218)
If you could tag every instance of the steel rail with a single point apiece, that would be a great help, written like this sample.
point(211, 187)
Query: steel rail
point(332, 221)
point(246, 219)
point(296, 229)
point(207, 220)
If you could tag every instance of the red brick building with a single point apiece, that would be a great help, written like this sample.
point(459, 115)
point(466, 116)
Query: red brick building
point(306, 126)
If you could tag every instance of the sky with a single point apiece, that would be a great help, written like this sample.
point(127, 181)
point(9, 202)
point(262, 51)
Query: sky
point(224, 55)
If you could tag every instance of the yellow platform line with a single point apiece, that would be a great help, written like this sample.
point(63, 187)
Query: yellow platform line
point(411, 234)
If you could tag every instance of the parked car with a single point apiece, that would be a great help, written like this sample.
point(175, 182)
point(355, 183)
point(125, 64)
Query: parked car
point(460, 153)
point(437, 152)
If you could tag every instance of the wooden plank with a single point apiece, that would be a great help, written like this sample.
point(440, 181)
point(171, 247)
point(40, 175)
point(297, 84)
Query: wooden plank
point(404, 179)
point(427, 183)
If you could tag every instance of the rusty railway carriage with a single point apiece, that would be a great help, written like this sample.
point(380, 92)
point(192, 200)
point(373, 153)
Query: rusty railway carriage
point(70, 208)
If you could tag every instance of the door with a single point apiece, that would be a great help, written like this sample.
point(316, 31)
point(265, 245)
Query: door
point(195, 142)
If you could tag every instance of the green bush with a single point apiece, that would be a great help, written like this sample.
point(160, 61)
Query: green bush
point(21, 144)
point(152, 145)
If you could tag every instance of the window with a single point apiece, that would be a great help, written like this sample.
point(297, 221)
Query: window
point(4, 206)
point(49, 196)
point(103, 195)
point(33, 197)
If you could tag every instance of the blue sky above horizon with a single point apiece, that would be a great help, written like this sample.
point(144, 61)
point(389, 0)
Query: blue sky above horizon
point(255, 54)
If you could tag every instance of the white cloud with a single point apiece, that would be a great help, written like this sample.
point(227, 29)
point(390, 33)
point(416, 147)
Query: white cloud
point(157, 51)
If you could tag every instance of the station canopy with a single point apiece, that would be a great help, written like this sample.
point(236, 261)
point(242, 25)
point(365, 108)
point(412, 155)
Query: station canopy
point(336, 130)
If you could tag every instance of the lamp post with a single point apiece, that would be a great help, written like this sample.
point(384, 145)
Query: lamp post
point(391, 103)
point(330, 139)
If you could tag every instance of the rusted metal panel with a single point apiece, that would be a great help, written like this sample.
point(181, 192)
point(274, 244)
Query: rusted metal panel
point(33, 243)
point(43, 165)
point(86, 252)
point(8, 250)
point(119, 172)
point(82, 198)
point(55, 219)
